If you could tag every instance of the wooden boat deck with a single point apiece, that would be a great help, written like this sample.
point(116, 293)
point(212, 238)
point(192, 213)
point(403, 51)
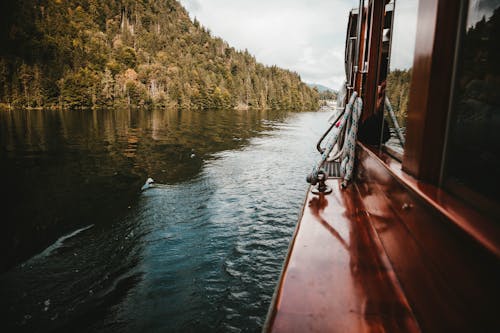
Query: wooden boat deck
point(337, 278)
point(377, 257)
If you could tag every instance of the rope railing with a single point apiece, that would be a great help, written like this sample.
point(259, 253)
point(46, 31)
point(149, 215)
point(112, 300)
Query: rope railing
point(345, 138)
point(332, 126)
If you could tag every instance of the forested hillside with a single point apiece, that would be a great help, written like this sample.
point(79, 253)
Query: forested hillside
point(398, 92)
point(98, 53)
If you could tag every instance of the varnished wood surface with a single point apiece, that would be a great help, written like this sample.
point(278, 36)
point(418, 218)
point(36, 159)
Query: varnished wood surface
point(337, 278)
point(377, 9)
point(444, 254)
point(483, 229)
point(358, 79)
point(431, 85)
point(389, 254)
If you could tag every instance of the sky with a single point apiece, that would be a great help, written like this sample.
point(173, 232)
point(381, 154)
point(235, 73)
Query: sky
point(305, 36)
point(479, 9)
point(403, 34)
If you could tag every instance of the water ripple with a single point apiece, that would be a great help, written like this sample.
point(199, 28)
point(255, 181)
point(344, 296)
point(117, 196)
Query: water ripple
point(203, 254)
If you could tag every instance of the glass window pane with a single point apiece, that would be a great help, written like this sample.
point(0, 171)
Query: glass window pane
point(397, 88)
point(473, 151)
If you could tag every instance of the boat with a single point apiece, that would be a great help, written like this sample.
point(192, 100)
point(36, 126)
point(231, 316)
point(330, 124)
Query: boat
point(410, 243)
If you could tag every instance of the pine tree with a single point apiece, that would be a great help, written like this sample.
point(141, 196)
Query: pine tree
point(81, 53)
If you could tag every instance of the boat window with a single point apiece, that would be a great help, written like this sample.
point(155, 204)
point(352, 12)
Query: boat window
point(350, 48)
point(472, 167)
point(397, 84)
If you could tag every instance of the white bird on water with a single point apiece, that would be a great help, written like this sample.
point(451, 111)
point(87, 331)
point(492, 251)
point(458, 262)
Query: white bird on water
point(149, 183)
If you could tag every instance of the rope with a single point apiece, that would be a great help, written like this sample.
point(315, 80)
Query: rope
point(345, 136)
point(349, 148)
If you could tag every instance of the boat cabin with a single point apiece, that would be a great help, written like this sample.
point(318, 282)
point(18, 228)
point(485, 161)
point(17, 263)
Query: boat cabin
point(412, 243)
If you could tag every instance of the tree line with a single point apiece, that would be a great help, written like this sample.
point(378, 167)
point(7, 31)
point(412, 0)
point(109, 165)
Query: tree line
point(327, 95)
point(398, 93)
point(99, 53)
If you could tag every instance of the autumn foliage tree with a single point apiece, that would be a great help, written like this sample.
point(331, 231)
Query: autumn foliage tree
point(99, 53)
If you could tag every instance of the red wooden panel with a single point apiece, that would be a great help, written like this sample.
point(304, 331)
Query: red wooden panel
point(430, 88)
point(337, 278)
point(371, 84)
point(450, 277)
point(386, 253)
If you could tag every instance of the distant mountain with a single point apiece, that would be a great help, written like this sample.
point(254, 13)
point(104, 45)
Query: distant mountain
point(321, 88)
point(95, 53)
point(325, 93)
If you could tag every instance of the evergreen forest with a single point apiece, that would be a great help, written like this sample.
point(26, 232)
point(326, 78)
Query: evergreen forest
point(76, 54)
point(398, 93)
point(327, 94)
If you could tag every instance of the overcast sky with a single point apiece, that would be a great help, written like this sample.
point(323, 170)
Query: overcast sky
point(306, 36)
point(403, 34)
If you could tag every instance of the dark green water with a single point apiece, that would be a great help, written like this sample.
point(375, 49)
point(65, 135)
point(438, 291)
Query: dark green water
point(84, 249)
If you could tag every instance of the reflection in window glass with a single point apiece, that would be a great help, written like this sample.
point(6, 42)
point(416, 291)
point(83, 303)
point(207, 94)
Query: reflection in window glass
point(399, 76)
point(473, 152)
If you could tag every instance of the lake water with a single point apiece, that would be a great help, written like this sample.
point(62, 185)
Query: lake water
point(84, 249)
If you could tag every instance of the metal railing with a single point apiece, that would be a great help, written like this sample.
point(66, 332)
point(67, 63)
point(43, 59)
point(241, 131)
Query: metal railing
point(399, 133)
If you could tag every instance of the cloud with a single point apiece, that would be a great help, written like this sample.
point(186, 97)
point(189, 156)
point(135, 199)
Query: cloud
point(304, 36)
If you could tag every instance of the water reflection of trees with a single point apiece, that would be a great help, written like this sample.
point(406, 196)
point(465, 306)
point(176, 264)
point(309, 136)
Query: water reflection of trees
point(61, 170)
point(476, 110)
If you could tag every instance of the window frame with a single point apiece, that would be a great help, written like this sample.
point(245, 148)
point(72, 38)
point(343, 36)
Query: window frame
point(474, 198)
point(431, 84)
